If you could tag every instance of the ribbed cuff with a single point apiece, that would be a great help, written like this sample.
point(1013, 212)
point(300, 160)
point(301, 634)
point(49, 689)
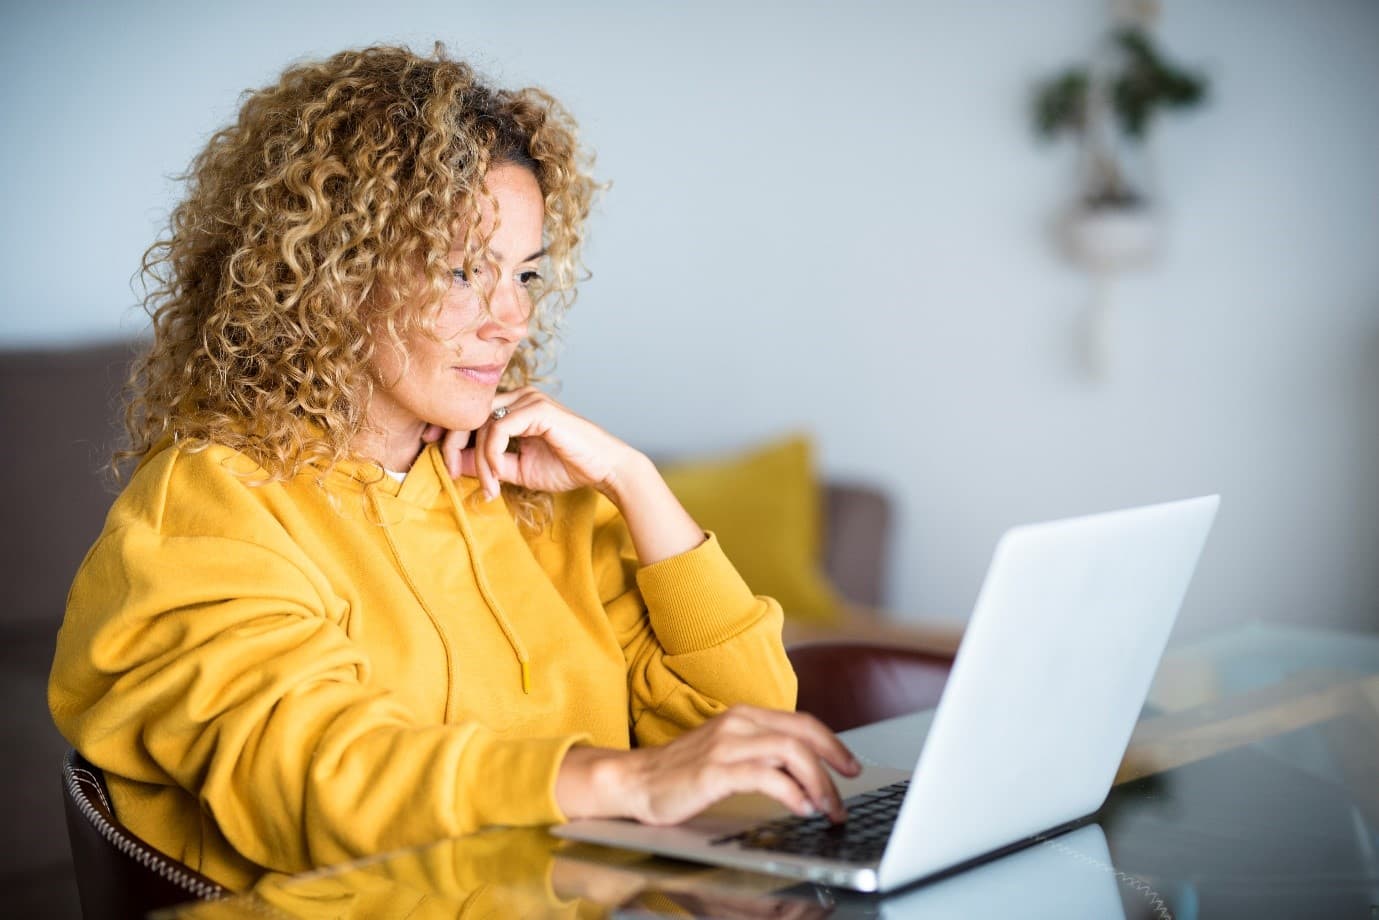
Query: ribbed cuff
point(696, 600)
point(517, 777)
point(504, 858)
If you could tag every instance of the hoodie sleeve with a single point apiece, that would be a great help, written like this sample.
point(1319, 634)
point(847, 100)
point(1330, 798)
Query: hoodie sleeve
point(211, 664)
point(506, 872)
point(695, 638)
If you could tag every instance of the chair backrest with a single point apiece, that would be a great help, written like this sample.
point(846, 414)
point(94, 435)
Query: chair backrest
point(856, 541)
point(847, 684)
point(119, 875)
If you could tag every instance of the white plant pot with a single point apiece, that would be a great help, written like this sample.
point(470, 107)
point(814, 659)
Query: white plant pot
point(1108, 240)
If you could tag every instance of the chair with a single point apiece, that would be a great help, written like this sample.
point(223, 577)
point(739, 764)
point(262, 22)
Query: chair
point(119, 875)
point(847, 684)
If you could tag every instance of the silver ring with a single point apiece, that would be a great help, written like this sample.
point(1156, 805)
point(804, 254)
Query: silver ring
point(500, 412)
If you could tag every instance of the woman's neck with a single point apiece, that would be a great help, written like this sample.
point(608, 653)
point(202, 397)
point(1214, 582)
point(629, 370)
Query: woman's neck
point(393, 448)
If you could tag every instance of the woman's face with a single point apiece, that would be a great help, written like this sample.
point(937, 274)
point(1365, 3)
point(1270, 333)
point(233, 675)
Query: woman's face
point(450, 381)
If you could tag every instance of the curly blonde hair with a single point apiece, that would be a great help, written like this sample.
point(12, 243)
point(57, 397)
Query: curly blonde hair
point(321, 218)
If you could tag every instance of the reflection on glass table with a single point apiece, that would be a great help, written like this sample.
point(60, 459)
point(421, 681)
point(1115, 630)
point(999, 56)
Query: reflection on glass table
point(1250, 789)
point(526, 873)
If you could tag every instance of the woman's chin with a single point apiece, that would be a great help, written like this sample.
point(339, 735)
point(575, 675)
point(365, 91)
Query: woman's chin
point(461, 421)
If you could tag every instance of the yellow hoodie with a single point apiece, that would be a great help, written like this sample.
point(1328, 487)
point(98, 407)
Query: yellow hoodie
point(290, 675)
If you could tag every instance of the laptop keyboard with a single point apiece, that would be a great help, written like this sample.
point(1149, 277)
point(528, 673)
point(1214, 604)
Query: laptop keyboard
point(860, 839)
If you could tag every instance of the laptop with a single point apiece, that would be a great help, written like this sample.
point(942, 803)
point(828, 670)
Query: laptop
point(1047, 685)
point(1068, 876)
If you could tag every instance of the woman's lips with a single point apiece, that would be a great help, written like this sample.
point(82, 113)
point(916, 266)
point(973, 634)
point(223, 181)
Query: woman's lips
point(488, 375)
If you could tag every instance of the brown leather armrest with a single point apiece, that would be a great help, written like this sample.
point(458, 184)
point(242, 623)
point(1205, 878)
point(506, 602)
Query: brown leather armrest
point(866, 624)
point(846, 683)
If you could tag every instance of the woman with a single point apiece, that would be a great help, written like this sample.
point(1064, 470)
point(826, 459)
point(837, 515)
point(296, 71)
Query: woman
point(311, 629)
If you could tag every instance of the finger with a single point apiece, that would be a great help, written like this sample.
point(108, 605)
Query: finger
point(797, 759)
point(480, 457)
point(508, 397)
point(525, 418)
point(508, 469)
point(452, 445)
point(493, 463)
point(431, 434)
point(520, 399)
point(808, 729)
point(469, 466)
point(747, 777)
point(492, 450)
point(690, 795)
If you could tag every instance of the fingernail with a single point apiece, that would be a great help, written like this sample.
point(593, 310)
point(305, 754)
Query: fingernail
point(490, 494)
point(809, 810)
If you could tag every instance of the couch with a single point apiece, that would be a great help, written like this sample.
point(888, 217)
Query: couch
point(59, 418)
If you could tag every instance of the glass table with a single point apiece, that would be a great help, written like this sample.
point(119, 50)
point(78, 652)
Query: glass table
point(1250, 788)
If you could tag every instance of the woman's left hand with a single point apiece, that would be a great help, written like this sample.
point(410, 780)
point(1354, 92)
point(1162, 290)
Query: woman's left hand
point(556, 451)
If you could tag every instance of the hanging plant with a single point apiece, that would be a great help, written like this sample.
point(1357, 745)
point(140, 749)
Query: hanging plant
point(1132, 87)
point(1109, 107)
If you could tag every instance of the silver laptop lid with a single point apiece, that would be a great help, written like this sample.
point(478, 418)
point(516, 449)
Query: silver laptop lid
point(1052, 672)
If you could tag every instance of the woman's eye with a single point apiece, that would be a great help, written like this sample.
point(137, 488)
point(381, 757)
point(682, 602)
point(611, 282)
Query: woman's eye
point(463, 278)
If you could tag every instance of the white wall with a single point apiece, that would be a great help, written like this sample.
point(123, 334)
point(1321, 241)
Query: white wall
point(835, 217)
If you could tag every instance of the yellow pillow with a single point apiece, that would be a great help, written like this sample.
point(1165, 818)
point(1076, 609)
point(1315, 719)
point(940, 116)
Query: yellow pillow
point(765, 507)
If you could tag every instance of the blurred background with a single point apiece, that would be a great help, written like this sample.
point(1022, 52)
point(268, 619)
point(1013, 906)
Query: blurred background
point(839, 220)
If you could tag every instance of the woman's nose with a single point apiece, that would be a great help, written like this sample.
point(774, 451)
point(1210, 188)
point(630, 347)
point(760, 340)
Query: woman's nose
point(509, 311)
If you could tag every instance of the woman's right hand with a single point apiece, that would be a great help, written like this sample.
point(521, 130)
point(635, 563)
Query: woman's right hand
point(746, 749)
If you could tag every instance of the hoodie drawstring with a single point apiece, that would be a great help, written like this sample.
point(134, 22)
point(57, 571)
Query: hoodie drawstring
point(514, 640)
point(382, 521)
